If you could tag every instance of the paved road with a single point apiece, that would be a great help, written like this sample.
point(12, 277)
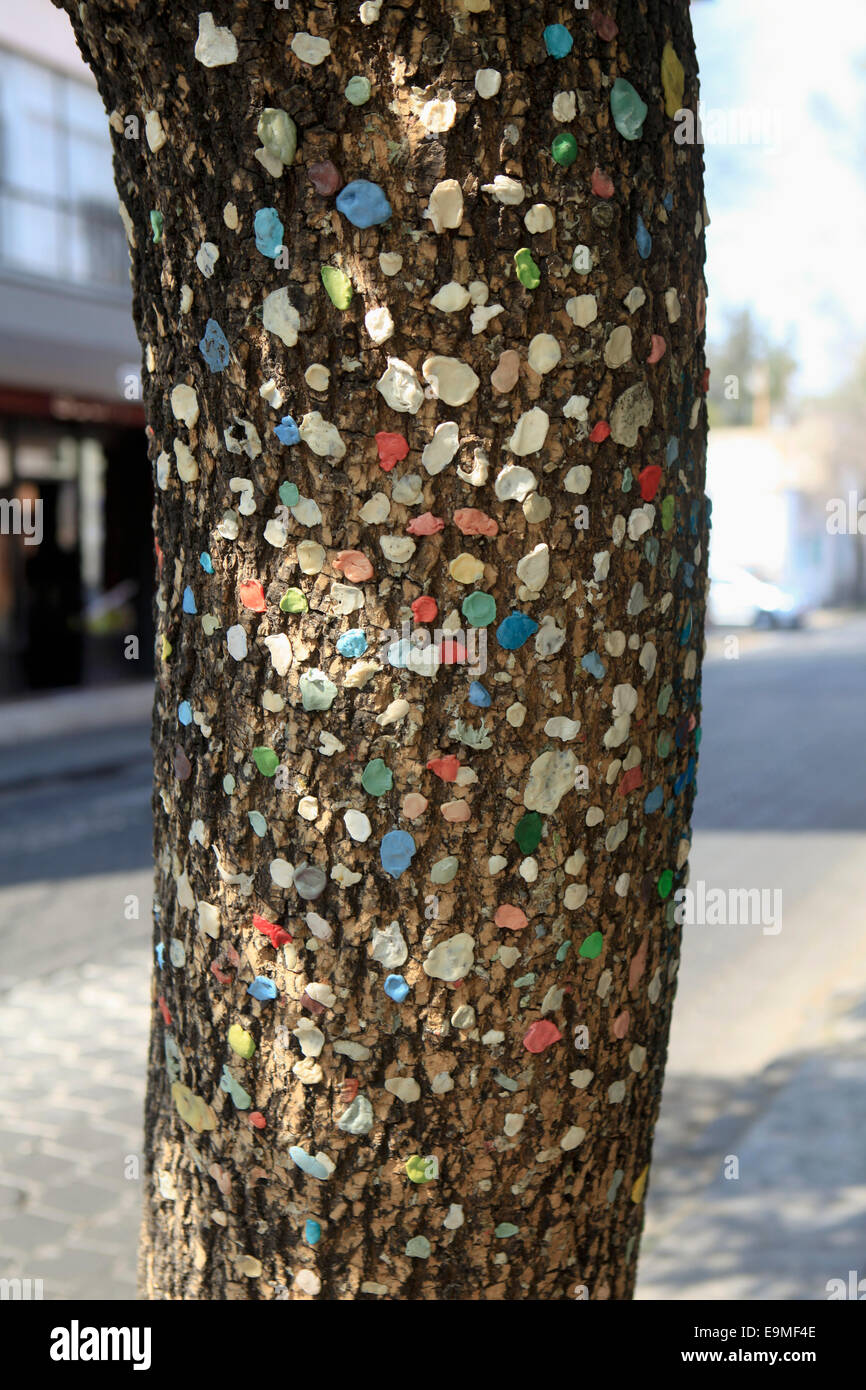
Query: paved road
point(784, 742)
point(782, 803)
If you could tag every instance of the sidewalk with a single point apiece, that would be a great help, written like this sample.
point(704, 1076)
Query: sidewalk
point(795, 1216)
point(74, 986)
point(71, 1128)
point(72, 732)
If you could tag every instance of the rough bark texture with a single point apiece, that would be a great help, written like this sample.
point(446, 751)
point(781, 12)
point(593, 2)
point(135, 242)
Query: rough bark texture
point(551, 1199)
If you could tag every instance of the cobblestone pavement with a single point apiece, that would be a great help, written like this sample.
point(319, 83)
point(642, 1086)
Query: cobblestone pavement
point(74, 1046)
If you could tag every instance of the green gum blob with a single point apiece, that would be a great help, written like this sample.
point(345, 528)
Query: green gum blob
point(527, 832)
point(376, 779)
point(564, 149)
point(527, 271)
point(665, 883)
point(338, 286)
point(266, 761)
point(590, 948)
point(420, 1170)
point(479, 609)
point(294, 601)
point(627, 109)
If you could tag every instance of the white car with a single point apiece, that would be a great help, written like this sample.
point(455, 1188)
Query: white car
point(739, 598)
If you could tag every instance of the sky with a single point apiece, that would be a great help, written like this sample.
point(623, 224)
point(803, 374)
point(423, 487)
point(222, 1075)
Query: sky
point(788, 216)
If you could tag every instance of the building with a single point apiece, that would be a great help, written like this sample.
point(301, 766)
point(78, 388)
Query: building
point(772, 490)
point(76, 556)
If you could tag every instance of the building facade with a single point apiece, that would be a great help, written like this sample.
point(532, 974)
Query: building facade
point(75, 489)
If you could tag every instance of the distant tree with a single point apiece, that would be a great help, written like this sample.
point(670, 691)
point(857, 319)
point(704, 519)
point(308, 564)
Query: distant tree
point(744, 366)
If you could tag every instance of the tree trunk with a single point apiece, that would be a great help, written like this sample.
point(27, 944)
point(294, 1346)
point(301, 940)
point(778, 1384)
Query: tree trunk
point(512, 1025)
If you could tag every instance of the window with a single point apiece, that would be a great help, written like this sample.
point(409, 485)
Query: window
point(58, 206)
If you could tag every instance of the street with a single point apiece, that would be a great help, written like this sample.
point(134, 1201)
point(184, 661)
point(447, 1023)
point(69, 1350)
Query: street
point(767, 1059)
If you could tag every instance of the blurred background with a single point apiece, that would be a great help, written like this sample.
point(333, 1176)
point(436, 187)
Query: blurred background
point(758, 1189)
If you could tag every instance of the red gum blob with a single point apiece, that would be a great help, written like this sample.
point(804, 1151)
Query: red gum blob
point(425, 525)
point(414, 805)
point(276, 935)
point(257, 1119)
point(252, 595)
point(606, 27)
point(354, 565)
point(705, 383)
point(648, 480)
point(312, 1004)
point(447, 768)
point(425, 609)
point(658, 348)
point(540, 1035)
point(159, 555)
point(325, 177)
point(164, 1010)
point(629, 780)
point(600, 432)
point(392, 448)
point(602, 184)
point(223, 978)
point(472, 522)
point(620, 1024)
point(514, 918)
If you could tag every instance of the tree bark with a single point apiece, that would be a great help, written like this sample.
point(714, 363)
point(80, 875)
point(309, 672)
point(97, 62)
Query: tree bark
point(532, 1076)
